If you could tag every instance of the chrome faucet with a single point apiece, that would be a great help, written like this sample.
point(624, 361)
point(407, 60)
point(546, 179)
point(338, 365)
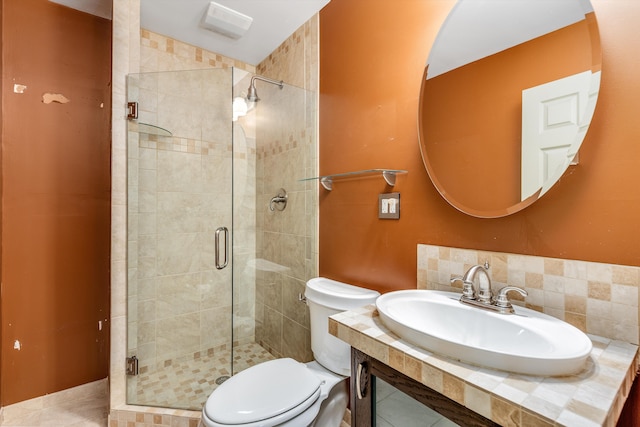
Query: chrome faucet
point(484, 297)
point(484, 294)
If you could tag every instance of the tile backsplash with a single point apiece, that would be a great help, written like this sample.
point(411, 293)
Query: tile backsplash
point(597, 298)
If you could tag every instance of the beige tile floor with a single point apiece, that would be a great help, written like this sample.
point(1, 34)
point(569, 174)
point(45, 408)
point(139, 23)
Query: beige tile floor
point(83, 406)
point(88, 404)
point(183, 384)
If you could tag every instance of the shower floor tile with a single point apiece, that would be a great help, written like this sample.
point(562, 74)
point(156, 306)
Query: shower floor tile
point(186, 383)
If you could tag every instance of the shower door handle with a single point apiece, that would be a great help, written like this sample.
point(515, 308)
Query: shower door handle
point(220, 230)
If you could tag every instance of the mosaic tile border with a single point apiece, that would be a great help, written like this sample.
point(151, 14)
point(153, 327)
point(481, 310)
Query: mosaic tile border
point(140, 416)
point(185, 51)
point(276, 147)
point(186, 145)
point(597, 298)
point(282, 53)
point(595, 397)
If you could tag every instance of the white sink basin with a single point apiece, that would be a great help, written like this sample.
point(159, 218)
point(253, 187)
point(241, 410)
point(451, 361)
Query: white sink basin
point(527, 342)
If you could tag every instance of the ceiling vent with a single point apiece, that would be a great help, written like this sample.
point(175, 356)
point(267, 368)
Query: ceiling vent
point(226, 21)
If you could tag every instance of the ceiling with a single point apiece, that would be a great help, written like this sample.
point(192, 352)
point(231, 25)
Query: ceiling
point(479, 28)
point(273, 22)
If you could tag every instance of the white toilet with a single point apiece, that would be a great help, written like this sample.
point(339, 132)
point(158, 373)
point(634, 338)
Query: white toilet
point(284, 392)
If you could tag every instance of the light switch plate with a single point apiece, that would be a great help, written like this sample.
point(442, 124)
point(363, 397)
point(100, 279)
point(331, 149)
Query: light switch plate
point(389, 206)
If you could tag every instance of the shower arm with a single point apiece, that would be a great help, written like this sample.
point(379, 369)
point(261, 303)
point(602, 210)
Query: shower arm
point(279, 83)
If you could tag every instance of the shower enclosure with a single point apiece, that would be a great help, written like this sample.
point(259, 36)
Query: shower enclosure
point(212, 270)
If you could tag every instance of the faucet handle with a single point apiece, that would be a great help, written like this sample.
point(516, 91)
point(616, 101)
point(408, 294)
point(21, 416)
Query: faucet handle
point(468, 291)
point(502, 301)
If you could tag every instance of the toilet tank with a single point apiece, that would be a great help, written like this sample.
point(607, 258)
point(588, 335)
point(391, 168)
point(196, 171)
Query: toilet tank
point(326, 297)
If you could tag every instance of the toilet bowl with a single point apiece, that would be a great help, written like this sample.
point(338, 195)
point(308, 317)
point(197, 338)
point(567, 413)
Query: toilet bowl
point(284, 392)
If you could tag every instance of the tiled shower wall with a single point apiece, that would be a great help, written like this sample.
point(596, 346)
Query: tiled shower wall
point(287, 240)
point(597, 298)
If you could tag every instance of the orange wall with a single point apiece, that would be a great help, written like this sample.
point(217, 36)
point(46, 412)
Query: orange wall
point(56, 199)
point(372, 56)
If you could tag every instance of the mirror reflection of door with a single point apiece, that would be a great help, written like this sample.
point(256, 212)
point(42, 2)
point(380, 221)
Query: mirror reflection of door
point(555, 118)
point(471, 114)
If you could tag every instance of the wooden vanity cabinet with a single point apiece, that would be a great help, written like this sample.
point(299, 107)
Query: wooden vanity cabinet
point(364, 368)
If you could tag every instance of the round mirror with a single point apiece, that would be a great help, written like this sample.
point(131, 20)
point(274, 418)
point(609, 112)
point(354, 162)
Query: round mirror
point(507, 95)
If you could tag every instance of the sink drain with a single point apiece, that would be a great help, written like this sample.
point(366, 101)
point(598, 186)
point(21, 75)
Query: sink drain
point(222, 379)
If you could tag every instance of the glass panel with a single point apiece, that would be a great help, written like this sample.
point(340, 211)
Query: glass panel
point(246, 351)
point(179, 194)
point(193, 166)
point(394, 408)
point(283, 124)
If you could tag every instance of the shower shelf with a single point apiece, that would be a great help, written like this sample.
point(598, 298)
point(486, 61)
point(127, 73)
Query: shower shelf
point(389, 176)
point(148, 129)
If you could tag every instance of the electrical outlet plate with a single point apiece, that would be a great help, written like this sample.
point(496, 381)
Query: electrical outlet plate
point(389, 206)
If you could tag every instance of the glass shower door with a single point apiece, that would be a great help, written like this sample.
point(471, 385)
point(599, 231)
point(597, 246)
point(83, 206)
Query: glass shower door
point(180, 201)
point(192, 170)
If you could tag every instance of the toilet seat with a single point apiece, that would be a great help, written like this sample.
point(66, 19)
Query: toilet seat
point(267, 394)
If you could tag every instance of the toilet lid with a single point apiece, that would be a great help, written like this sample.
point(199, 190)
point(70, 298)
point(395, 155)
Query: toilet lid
point(263, 391)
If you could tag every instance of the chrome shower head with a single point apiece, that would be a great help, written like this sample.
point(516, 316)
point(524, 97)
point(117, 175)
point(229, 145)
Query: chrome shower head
point(252, 94)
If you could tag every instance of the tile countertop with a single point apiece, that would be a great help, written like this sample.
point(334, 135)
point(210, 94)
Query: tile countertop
point(594, 397)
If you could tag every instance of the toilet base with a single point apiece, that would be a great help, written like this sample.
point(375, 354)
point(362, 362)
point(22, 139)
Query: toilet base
point(334, 395)
point(333, 407)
